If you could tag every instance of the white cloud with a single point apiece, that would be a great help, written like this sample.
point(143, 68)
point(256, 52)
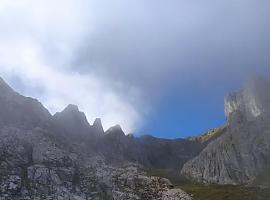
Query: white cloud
point(116, 58)
point(38, 40)
point(60, 88)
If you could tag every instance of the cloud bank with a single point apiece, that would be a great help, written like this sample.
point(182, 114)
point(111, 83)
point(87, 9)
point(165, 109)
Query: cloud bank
point(116, 59)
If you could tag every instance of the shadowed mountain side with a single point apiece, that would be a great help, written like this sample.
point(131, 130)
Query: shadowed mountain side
point(73, 122)
point(72, 128)
point(64, 157)
point(148, 151)
point(18, 110)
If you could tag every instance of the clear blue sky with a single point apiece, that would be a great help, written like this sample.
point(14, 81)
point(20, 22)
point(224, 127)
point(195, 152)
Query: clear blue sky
point(189, 111)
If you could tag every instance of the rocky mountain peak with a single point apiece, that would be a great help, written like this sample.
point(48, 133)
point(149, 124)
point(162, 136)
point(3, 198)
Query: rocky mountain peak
point(241, 150)
point(71, 108)
point(251, 102)
point(115, 130)
point(72, 111)
point(97, 122)
point(97, 126)
point(72, 121)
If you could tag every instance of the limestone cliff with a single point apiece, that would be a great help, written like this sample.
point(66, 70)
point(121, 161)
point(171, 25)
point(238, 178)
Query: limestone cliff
point(252, 102)
point(242, 151)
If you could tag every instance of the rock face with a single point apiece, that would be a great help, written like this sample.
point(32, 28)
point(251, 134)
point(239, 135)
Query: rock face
point(72, 122)
point(168, 154)
point(148, 151)
point(242, 151)
point(97, 127)
point(35, 166)
point(64, 157)
point(250, 103)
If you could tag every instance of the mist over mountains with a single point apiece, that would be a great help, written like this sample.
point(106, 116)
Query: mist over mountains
point(63, 156)
point(134, 53)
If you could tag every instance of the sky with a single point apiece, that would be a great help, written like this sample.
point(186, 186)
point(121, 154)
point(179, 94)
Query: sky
point(154, 67)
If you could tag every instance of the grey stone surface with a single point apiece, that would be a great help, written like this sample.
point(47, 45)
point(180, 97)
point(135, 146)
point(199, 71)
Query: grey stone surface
point(242, 151)
point(252, 102)
point(35, 166)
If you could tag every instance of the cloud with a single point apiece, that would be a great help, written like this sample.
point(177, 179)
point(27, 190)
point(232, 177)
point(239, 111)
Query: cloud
point(155, 46)
point(57, 88)
point(117, 59)
point(35, 47)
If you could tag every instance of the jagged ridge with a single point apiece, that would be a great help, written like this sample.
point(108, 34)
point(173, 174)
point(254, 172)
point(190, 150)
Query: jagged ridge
point(64, 157)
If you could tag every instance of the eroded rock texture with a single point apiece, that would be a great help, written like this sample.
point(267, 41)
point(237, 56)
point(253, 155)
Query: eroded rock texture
point(242, 151)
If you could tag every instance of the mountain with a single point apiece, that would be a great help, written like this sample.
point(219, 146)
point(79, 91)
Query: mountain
point(250, 104)
point(147, 151)
point(118, 148)
point(18, 110)
point(97, 127)
point(64, 157)
point(72, 121)
point(242, 151)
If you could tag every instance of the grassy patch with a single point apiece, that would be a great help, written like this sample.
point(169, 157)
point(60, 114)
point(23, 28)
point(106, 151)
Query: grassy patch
point(223, 192)
point(213, 191)
point(263, 179)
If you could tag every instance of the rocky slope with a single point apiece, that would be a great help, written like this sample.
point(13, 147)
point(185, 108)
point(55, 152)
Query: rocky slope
point(33, 165)
point(242, 151)
point(64, 157)
point(208, 136)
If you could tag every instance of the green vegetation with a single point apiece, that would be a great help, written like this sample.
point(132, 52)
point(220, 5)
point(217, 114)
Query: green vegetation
point(213, 191)
point(208, 136)
point(263, 179)
point(225, 192)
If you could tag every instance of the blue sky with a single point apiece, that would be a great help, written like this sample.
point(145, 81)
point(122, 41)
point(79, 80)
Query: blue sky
point(191, 111)
point(172, 119)
point(154, 67)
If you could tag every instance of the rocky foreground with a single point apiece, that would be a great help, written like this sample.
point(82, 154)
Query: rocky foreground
point(36, 166)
